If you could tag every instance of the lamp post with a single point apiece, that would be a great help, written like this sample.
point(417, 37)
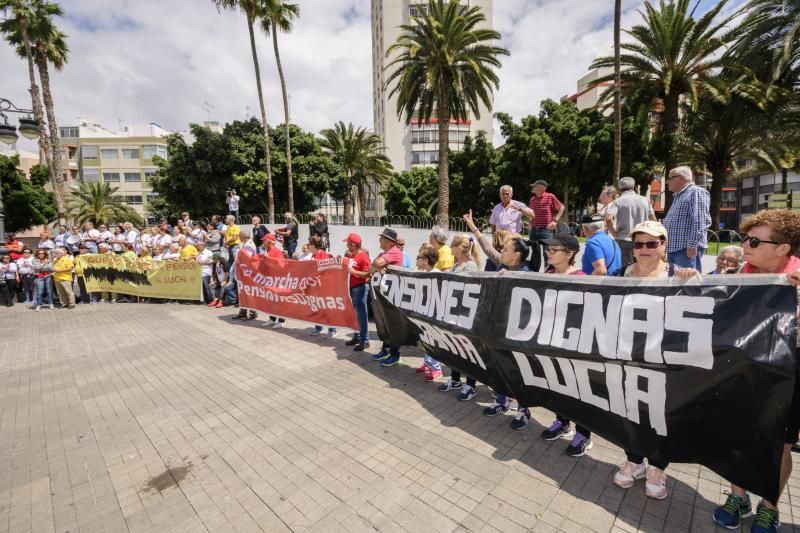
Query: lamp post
point(28, 127)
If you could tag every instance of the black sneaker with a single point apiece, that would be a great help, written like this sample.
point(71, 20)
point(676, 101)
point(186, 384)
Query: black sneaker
point(352, 342)
point(557, 430)
point(241, 316)
point(522, 419)
point(361, 346)
point(579, 445)
point(449, 385)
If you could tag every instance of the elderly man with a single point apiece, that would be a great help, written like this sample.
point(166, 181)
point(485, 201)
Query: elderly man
point(602, 256)
point(188, 250)
point(391, 255)
point(232, 239)
point(507, 215)
point(438, 239)
point(130, 235)
point(547, 211)
point(687, 221)
point(631, 210)
point(248, 247)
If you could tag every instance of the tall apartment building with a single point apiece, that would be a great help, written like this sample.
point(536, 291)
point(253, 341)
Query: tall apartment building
point(123, 159)
point(416, 144)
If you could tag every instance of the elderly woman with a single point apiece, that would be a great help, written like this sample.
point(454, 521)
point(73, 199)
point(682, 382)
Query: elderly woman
point(770, 240)
point(491, 246)
point(608, 209)
point(729, 260)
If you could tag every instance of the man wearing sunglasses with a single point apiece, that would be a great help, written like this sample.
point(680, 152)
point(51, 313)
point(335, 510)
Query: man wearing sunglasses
point(687, 221)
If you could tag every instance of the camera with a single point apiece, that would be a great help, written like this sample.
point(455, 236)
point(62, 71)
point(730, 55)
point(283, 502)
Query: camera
point(230, 191)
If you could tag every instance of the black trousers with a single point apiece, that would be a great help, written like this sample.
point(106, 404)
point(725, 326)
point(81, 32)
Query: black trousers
point(7, 291)
point(580, 429)
point(455, 375)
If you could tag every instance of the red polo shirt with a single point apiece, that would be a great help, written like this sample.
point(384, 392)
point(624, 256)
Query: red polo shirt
point(544, 209)
point(361, 262)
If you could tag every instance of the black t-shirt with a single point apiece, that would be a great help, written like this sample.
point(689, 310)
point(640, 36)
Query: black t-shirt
point(293, 231)
point(259, 232)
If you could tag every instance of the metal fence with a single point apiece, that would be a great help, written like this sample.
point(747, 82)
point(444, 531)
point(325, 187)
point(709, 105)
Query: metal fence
point(394, 221)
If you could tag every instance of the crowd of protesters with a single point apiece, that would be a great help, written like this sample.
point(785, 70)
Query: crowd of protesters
point(622, 238)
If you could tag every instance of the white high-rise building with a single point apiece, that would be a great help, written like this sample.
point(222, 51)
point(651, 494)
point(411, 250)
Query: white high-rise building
point(418, 143)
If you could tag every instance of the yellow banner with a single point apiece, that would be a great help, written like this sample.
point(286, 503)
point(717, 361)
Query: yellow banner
point(175, 280)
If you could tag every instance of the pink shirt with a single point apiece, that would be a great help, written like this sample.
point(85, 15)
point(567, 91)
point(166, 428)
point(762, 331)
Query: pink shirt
point(393, 256)
point(506, 217)
point(792, 265)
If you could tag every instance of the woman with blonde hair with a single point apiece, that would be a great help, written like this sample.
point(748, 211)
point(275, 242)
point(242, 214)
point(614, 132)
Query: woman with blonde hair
point(491, 247)
point(467, 253)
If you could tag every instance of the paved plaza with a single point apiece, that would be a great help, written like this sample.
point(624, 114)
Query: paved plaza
point(142, 417)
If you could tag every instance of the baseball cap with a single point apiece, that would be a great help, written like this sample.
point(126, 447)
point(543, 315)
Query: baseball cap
point(355, 238)
point(216, 255)
point(650, 227)
point(563, 239)
point(590, 218)
point(270, 237)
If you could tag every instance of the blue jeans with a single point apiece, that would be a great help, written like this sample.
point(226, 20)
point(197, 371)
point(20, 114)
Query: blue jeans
point(44, 286)
point(432, 363)
point(680, 259)
point(359, 295)
point(290, 248)
point(538, 234)
point(230, 291)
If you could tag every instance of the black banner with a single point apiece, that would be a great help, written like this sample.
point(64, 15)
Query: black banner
point(701, 371)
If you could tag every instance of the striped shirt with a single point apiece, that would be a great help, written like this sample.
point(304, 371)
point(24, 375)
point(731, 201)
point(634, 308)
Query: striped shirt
point(544, 208)
point(688, 219)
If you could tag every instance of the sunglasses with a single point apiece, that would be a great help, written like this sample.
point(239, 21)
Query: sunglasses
point(650, 245)
point(420, 257)
point(755, 241)
point(554, 250)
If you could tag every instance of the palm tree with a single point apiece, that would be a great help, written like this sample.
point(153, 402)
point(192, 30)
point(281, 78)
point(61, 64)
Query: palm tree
point(360, 154)
point(99, 203)
point(49, 46)
point(279, 16)
point(727, 126)
point(771, 26)
point(444, 67)
point(617, 94)
point(672, 55)
point(254, 11)
point(22, 14)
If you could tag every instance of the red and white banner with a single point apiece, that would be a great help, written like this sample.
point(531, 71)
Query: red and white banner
point(313, 291)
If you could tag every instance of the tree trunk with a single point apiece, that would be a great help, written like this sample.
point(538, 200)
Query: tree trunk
point(59, 188)
point(348, 203)
point(669, 131)
point(362, 204)
point(267, 156)
point(566, 199)
point(785, 180)
point(617, 95)
point(718, 168)
point(443, 116)
point(38, 115)
point(289, 180)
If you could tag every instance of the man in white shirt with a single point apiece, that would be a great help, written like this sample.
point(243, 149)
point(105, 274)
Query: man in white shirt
point(61, 237)
point(45, 243)
point(508, 213)
point(89, 237)
point(131, 235)
point(204, 259)
point(232, 199)
point(105, 235)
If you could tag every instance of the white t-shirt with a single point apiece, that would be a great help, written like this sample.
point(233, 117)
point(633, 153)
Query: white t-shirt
point(105, 236)
point(169, 256)
point(197, 235)
point(131, 236)
point(48, 244)
point(115, 240)
point(164, 241)
point(25, 266)
point(204, 258)
point(233, 203)
point(8, 271)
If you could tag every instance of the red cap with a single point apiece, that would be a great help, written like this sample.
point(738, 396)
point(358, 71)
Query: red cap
point(269, 237)
point(355, 238)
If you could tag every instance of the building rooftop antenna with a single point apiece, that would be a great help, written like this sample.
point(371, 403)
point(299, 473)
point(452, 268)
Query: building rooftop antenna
point(207, 108)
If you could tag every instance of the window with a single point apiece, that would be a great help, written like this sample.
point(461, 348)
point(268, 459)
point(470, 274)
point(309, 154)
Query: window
point(68, 133)
point(133, 176)
point(91, 175)
point(89, 152)
point(130, 153)
point(149, 173)
point(133, 199)
point(417, 10)
point(149, 150)
point(109, 153)
point(424, 158)
point(424, 136)
point(728, 200)
point(151, 196)
point(458, 136)
point(110, 176)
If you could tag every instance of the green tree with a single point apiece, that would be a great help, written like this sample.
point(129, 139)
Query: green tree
point(26, 202)
point(412, 192)
point(444, 68)
point(279, 16)
point(23, 15)
point(727, 126)
point(474, 183)
point(359, 154)
point(670, 55)
point(99, 203)
point(254, 11)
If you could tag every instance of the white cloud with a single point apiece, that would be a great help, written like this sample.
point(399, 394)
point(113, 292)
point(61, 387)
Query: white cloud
point(177, 54)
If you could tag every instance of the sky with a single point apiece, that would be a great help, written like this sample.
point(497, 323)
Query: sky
point(173, 62)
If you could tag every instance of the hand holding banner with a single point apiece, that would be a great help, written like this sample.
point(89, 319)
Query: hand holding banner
point(312, 291)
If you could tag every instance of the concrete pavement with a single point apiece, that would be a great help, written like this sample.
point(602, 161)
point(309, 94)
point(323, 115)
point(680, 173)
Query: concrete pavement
point(146, 417)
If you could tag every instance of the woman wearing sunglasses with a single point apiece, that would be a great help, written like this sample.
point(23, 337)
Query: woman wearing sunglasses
point(770, 239)
point(649, 249)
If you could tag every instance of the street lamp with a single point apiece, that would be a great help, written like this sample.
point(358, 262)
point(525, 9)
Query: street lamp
point(28, 127)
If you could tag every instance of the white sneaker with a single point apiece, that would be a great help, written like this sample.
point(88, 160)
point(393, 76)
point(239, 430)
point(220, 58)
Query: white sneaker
point(315, 332)
point(37, 307)
point(278, 325)
point(332, 334)
point(268, 324)
point(52, 306)
point(656, 485)
point(628, 473)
